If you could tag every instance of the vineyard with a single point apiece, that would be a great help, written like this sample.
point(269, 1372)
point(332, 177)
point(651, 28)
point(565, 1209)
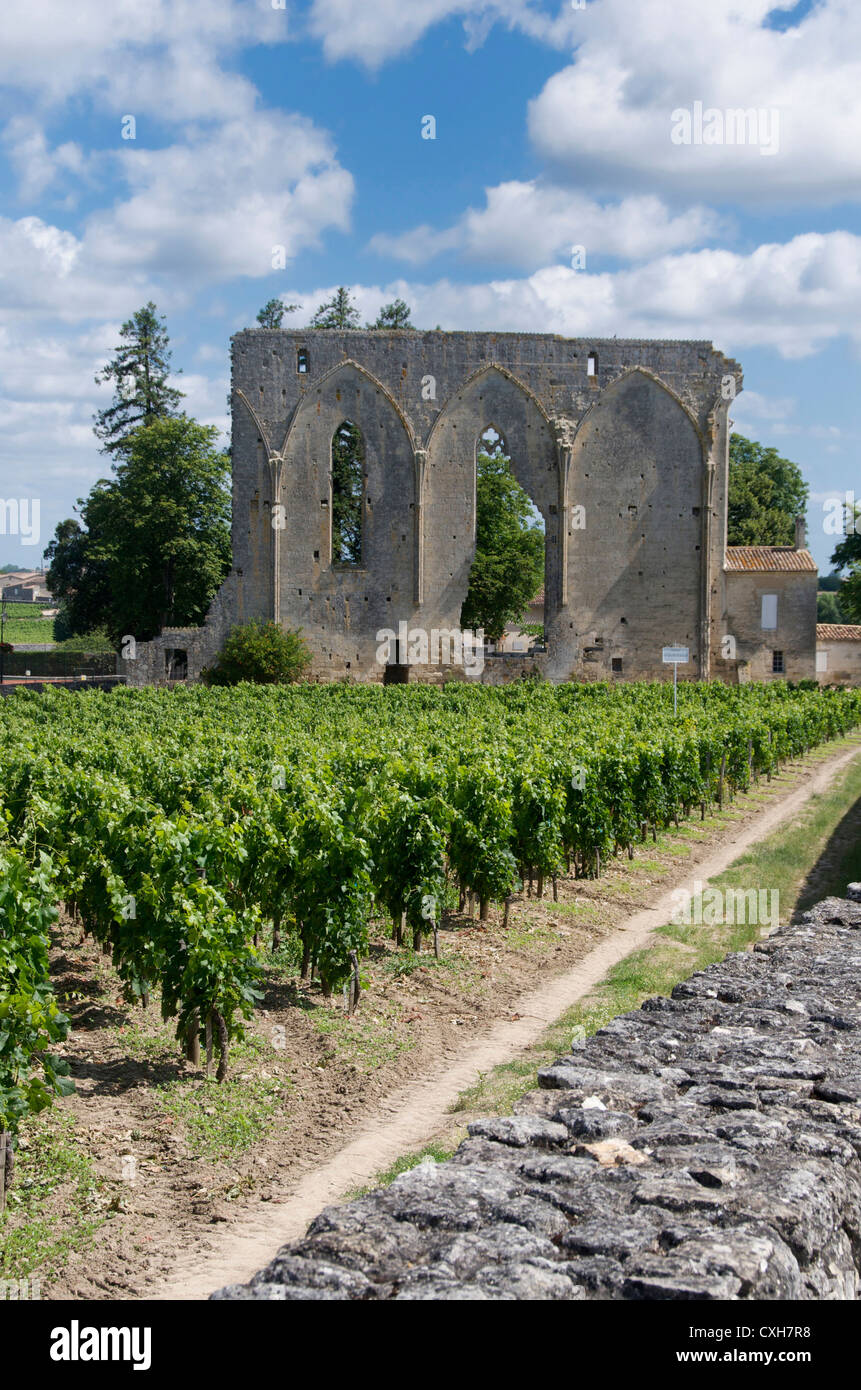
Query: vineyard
point(191, 832)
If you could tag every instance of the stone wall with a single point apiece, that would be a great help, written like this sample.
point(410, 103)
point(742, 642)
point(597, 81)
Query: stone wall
point(626, 461)
point(842, 662)
point(707, 1146)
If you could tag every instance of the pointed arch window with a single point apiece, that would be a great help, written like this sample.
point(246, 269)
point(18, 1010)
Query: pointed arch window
point(348, 494)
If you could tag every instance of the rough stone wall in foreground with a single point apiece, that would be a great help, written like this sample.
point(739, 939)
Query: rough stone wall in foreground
point(706, 1146)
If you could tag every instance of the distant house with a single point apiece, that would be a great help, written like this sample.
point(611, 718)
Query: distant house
point(8, 581)
point(771, 610)
point(838, 654)
point(29, 588)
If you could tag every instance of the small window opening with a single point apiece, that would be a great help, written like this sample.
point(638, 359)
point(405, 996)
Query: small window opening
point(176, 664)
point(616, 665)
point(777, 663)
point(592, 364)
point(302, 361)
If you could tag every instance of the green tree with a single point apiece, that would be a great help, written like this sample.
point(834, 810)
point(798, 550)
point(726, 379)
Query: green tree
point(830, 582)
point(348, 469)
point(273, 311)
point(766, 494)
point(394, 315)
point(260, 652)
point(337, 312)
point(139, 370)
point(847, 555)
point(829, 608)
point(508, 568)
point(156, 543)
point(77, 580)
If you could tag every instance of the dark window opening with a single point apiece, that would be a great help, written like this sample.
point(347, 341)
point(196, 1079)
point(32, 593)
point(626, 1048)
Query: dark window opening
point(396, 673)
point(616, 664)
point(777, 663)
point(176, 664)
point(302, 361)
point(505, 596)
point(348, 492)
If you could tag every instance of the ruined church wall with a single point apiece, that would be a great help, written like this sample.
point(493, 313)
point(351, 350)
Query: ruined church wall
point(627, 465)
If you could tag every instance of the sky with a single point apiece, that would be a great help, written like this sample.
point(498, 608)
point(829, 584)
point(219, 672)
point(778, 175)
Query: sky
point(302, 125)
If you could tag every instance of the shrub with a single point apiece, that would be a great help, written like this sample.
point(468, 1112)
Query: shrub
point(260, 652)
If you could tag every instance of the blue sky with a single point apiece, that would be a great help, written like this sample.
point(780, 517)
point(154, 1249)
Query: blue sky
point(300, 126)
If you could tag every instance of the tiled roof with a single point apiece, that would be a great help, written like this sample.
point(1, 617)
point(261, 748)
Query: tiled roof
point(767, 559)
point(838, 632)
point(539, 597)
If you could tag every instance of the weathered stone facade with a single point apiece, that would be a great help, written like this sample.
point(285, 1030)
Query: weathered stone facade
point(838, 653)
point(707, 1146)
point(622, 446)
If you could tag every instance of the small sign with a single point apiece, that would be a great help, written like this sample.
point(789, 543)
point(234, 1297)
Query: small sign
point(672, 656)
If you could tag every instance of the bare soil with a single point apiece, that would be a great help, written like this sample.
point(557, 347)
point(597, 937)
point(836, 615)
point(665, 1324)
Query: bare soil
point(198, 1185)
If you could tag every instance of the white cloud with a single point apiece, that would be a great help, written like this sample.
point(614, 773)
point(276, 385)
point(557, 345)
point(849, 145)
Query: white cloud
point(373, 33)
point(793, 297)
point(207, 209)
point(527, 224)
point(38, 167)
point(216, 205)
point(771, 409)
point(161, 56)
point(607, 118)
point(45, 271)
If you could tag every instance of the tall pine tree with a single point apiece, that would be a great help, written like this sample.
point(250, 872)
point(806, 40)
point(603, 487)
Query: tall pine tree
point(337, 312)
point(139, 370)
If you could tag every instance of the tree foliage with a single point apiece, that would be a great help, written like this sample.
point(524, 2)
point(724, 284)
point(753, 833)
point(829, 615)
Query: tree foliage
point(829, 608)
point(348, 485)
point(847, 555)
point(273, 311)
point(508, 568)
point(139, 370)
point(262, 653)
point(155, 543)
point(766, 494)
point(338, 312)
point(394, 315)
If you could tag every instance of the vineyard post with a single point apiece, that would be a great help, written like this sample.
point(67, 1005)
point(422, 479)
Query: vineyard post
point(355, 983)
point(3, 1139)
point(192, 1039)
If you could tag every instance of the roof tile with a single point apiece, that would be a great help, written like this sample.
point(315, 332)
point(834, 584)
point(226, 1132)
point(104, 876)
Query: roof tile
point(768, 559)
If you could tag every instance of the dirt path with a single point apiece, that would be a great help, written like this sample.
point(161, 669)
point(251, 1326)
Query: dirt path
point(409, 1117)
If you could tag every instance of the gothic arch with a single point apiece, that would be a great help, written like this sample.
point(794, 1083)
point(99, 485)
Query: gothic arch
point(488, 370)
point(311, 398)
point(623, 379)
point(493, 397)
